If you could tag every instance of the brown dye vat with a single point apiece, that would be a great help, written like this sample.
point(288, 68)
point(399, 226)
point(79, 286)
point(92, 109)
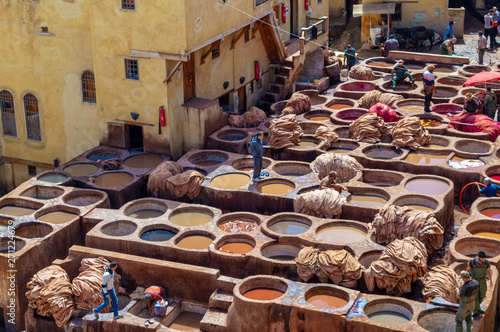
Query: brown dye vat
point(367, 200)
point(16, 211)
point(230, 181)
point(195, 242)
point(275, 188)
point(239, 225)
point(389, 317)
point(381, 64)
point(443, 70)
point(187, 321)
point(419, 207)
point(427, 186)
point(246, 169)
point(429, 123)
point(282, 258)
point(492, 213)
point(445, 92)
point(188, 219)
point(339, 150)
point(57, 217)
point(434, 146)
point(339, 106)
point(289, 227)
point(236, 248)
point(412, 108)
point(425, 158)
point(414, 67)
point(306, 145)
point(114, 179)
point(53, 178)
point(326, 301)
point(488, 234)
point(143, 161)
point(81, 169)
point(341, 234)
point(319, 118)
point(263, 294)
point(208, 163)
point(369, 258)
point(146, 214)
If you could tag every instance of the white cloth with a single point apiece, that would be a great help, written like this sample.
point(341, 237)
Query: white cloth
point(488, 21)
point(107, 281)
point(482, 42)
point(429, 76)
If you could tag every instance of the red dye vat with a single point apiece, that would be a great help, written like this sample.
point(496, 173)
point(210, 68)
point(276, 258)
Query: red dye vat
point(495, 177)
point(358, 86)
point(448, 108)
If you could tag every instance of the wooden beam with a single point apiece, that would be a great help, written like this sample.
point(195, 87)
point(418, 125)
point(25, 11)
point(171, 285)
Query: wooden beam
point(27, 162)
point(256, 28)
point(135, 123)
point(242, 32)
point(169, 76)
point(214, 44)
point(160, 55)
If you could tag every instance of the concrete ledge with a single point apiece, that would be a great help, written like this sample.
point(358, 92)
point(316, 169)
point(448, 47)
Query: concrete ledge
point(425, 57)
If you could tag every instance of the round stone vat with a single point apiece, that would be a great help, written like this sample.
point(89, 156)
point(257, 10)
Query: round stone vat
point(426, 158)
point(199, 170)
point(316, 99)
point(437, 320)
point(457, 101)
point(347, 116)
point(380, 64)
point(5, 222)
point(358, 86)
point(309, 128)
point(451, 80)
point(81, 169)
point(343, 131)
point(275, 186)
point(401, 87)
point(18, 207)
point(438, 143)
point(57, 214)
point(292, 169)
point(427, 185)
point(327, 297)
point(306, 143)
point(389, 311)
point(471, 70)
point(104, 155)
point(410, 106)
point(158, 233)
point(280, 252)
point(368, 197)
point(466, 164)
point(83, 197)
point(52, 177)
point(444, 93)
point(235, 244)
point(195, 240)
point(465, 91)
point(6, 248)
point(191, 216)
point(143, 161)
point(493, 172)
point(318, 115)
point(230, 181)
point(489, 207)
point(341, 103)
point(246, 164)
point(448, 108)
point(414, 65)
point(430, 121)
point(470, 246)
point(238, 222)
point(474, 146)
point(262, 288)
point(308, 189)
point(369, 257)
point(276, 108)
point(42, 192)
point(342, 232)
point(288, 224)
point(33, 230)
point(342, 146)
point(445, 70)
point(232, 135)
point(417, 202)
point(145, 209)
point(113, 179)
point(208, 158)
point(381, 178)
point(119, 228)
point(381, 151)
point(485, 228)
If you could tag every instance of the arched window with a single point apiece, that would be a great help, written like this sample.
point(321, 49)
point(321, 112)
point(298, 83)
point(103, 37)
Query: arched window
point(88, 87)
point(8, 113)
point(32, 117)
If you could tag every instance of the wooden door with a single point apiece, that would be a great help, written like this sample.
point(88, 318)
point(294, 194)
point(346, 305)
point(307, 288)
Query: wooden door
point(242, 99)
point(188, 69)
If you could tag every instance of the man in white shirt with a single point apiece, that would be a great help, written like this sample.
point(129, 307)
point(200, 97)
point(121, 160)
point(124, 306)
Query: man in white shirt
point(481, 46)
point(488, 27)
point(108, 291)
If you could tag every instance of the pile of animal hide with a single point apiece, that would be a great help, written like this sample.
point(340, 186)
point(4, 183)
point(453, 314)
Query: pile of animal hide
point(481, 124)
point(158, 178)
point(409, 133)
point(401, 264)
point(337, 265)
point(375, 96)
point(169, 181)
point(369, 128)
point(395, 223)
point(441, 281)
point(251, 118)
point(360, 72)
point(346, 166)
point(385, 112)
point(331, 58)
point(325, 203)
point(284, 132)
point(327, 134)
point(297, 104)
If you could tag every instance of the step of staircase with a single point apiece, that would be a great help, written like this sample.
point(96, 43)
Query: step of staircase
point(220, 299)
point(276, 88)
point(285, 70)
point(281, 79)
point(271, 96)
point(226, 283)
point(215, 320)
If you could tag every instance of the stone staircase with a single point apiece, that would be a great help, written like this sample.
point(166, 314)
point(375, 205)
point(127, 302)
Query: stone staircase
point(277, 87)
point(215, 320)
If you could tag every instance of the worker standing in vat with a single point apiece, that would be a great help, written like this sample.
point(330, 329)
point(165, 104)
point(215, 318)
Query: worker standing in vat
point(490, 190)
point(257, 151)
point(330, 181)
point(479, 269)
point(429, 87)
point(490, 103)
point(400, 73)
point(108, 291)
point(350, 57)
point(467, 296)
point(153, 294)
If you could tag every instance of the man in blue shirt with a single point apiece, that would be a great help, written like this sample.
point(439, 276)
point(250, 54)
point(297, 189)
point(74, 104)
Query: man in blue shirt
point(491, 189)
point(448, 33)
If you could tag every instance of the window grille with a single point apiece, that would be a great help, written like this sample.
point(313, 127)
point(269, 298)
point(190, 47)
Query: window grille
point(88, 87)
point(128, 4)
point(132, 69)
point(32, 114)
point(8, 113)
